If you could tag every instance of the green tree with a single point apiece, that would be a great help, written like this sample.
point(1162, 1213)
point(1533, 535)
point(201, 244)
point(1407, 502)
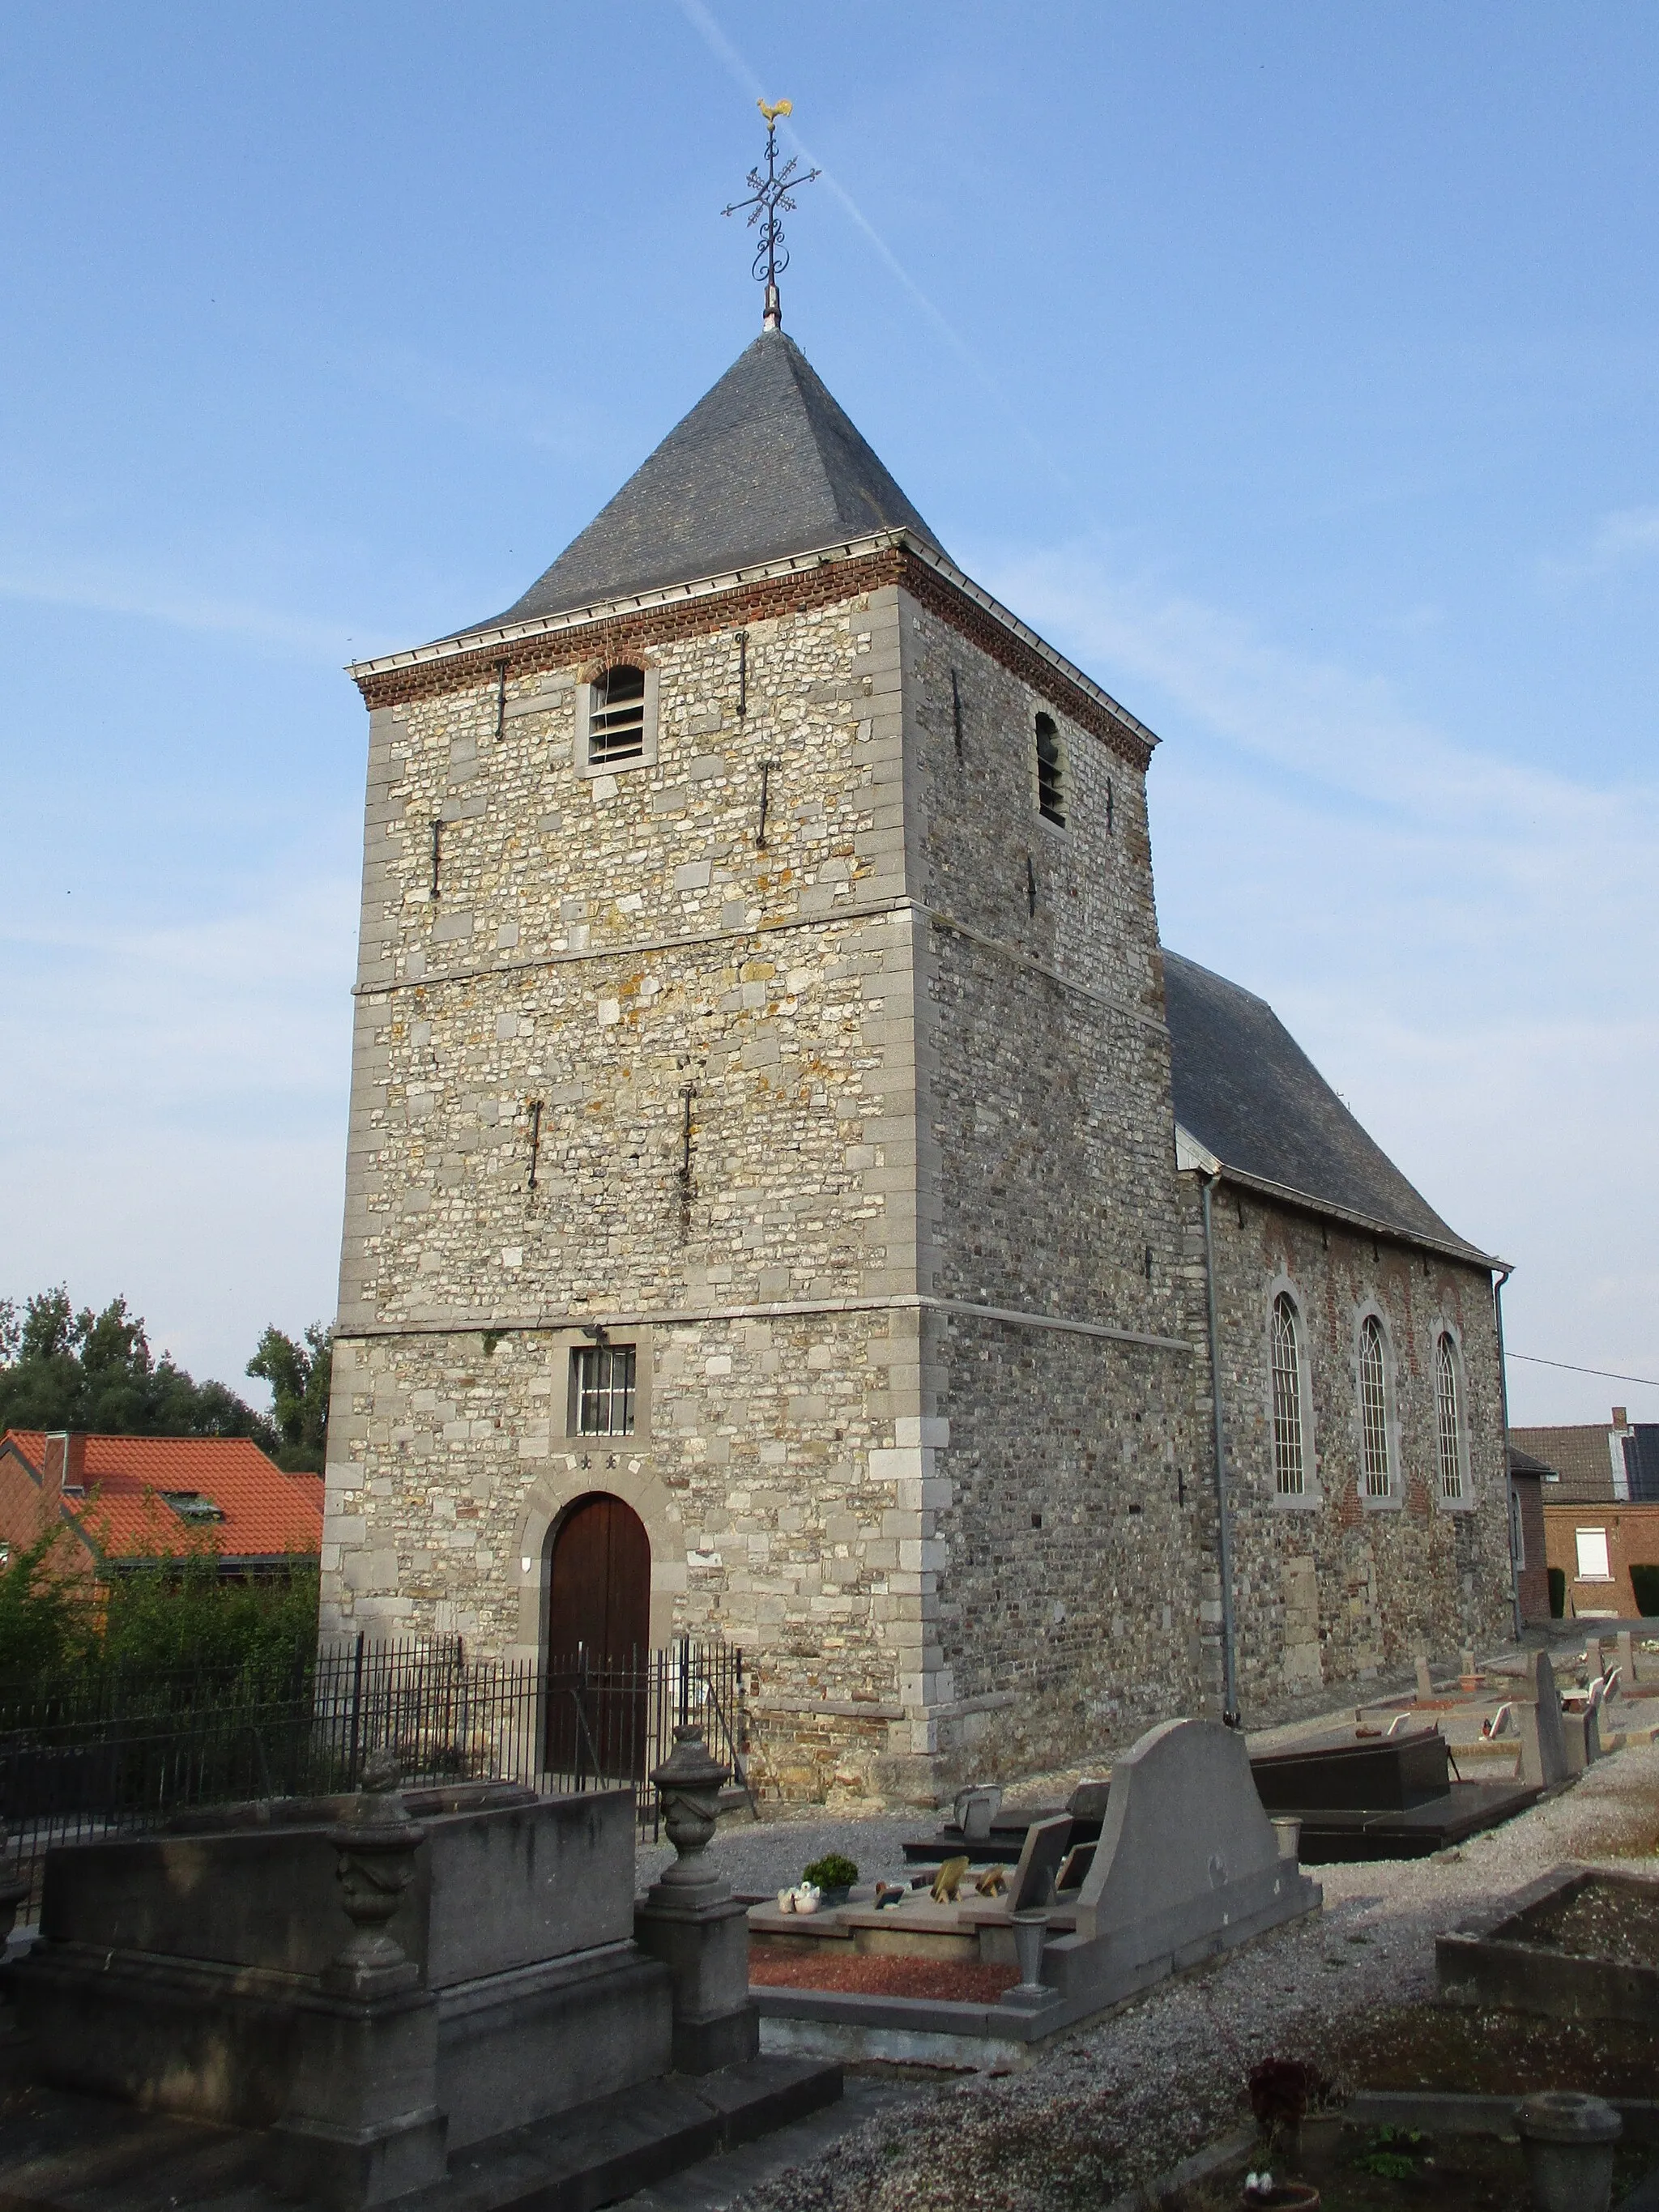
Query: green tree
point(96, 1372)
point(299, 1376)
point(45, 1626)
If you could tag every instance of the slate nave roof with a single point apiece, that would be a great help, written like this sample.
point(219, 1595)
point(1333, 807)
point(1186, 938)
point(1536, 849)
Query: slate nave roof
point(1244, 1088)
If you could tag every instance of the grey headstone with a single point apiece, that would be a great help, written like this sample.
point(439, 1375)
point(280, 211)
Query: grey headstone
point(1184, 1823)
point(1543, 1740)
point(1592, 1655)
point(976, 1809)
point(1088, 1801)
point(1625, 1645)
point(1424, 1684)
point(1040, 1858)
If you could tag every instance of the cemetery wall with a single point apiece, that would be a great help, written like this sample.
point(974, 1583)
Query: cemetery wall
point(1335, 1587)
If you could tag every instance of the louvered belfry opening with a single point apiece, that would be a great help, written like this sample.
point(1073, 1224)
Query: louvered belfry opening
point(616, 726)
point(1051, 773)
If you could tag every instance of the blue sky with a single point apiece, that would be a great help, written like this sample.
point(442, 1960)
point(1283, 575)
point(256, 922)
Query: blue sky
point(1293, 368)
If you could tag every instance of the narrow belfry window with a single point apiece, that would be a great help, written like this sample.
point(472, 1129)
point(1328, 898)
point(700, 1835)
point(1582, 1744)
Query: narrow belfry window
point(1051, 774)
point(602, 1385)
point(1449, 1420)
point(616, 722)
point(1374, 1408)
point(1289, 1465)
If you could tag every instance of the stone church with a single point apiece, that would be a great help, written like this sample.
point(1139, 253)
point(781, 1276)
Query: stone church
point(793, 1199)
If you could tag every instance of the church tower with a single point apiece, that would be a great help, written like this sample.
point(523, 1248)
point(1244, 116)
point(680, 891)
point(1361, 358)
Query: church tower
point(762, 1217)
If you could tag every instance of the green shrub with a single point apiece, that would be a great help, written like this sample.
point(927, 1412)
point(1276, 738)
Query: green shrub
point(834, 1872)
point(1558, 1593)
point(46, 1622)
point(179, 1615)
point(1645, 1581)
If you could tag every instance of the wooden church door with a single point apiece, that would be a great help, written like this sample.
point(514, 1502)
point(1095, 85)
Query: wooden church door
point(599, 1633)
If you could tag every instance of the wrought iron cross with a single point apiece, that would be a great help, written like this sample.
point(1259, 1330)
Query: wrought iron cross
point(769, 193)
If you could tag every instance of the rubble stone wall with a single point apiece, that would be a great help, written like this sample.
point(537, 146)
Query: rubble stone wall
point(1336, 1587)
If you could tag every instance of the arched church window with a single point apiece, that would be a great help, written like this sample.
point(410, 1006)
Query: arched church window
point(1374, 1408)
point(615, 717)
point(1290, 1465)
point(1051, 773)
point(1448, 1419)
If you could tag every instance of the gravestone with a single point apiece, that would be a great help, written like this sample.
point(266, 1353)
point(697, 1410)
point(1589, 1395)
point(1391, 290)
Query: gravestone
point(1186, 1856)
point(975, 1810)
point(1045, 1847)
point(1425, 1682)
point(1624, 1643)
point(1593, 1657)
point(1543, 1738)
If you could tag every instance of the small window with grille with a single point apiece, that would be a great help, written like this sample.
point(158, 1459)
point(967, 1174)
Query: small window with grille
point(602, 1383)
point(1051, 773)
point(1374, 1409)
point(1449, 1420)
point(1289, 1466)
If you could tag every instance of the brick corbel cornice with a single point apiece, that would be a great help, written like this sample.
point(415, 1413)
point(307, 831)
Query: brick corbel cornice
point(828, 581)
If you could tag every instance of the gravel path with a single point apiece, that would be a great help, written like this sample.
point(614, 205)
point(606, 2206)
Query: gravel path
point(1121, 2102)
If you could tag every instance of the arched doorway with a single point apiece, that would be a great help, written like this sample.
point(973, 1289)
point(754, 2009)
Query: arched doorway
point(599, 1633)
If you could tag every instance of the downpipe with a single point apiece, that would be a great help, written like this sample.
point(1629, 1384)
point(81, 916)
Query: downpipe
point(1503, 1275)
point(1230, 1711)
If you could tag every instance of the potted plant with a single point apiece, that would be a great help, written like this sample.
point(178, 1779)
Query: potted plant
point(833, 1877)
point(1281, 2090)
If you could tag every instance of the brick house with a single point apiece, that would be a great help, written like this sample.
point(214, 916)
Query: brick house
point(1601, 1513)
point(123, 1502)
point(764, 1212)
point(1529, 1532)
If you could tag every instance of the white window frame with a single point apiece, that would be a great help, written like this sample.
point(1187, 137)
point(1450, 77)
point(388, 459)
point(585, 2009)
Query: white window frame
point(584, 691)
point(1309, 1497)
point(1387, 1500)
point(1599, 1536)
point(1446, 1338)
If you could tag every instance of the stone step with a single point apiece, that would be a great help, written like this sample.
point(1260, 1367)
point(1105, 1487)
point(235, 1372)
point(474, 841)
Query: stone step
point(64, 2153)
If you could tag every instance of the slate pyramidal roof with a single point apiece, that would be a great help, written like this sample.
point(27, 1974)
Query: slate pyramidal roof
point(768, 473)
point(767, 464)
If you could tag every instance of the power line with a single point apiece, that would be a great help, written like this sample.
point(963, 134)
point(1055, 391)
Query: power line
point(1607, 1374)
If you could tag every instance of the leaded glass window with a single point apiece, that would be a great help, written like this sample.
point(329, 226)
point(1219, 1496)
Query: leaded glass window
point(1374, 1408)
point(1448, 1419)
point(1289, 1466)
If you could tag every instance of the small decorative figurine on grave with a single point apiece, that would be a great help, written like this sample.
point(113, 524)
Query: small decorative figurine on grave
point(948, 1880)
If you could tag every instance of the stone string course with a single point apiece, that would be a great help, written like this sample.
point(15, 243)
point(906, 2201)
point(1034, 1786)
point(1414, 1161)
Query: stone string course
point(910, 1047)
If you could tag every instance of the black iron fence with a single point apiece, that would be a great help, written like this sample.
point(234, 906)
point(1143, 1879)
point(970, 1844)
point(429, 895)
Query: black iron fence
point(104, 1756)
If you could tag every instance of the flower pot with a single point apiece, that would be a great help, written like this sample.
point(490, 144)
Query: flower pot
point(1283, 2197)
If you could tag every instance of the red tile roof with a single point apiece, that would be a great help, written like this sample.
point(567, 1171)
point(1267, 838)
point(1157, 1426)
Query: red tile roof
point(267, 1514)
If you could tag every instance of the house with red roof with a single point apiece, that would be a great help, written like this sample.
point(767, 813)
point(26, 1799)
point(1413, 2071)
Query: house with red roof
point(126, 1502)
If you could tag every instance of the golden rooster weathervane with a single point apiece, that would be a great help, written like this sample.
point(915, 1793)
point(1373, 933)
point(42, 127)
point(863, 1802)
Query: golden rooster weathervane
point(768, 195)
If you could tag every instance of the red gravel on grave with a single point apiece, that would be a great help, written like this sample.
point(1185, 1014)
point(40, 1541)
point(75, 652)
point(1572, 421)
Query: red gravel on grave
point(949, 1980)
